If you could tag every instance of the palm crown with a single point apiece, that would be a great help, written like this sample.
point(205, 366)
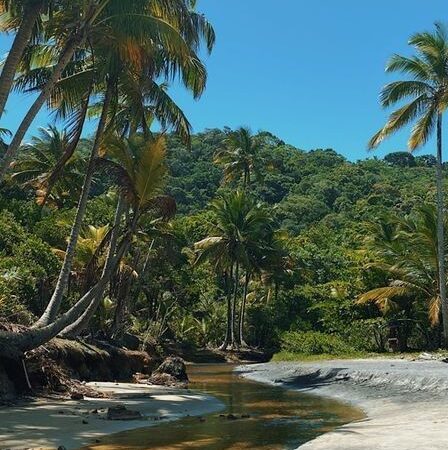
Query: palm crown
point(427, 88)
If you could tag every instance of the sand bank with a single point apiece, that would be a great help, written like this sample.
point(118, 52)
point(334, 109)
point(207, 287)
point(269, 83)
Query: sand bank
point(405, 401)
point(50, 423)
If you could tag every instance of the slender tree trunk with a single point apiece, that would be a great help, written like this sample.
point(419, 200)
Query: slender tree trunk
point(113, 258)
point(233, 341)
point(30, 16)
point(440, 231)
point(228, 278)
point(122, 307)
point(243, 311)
point(13, 147)
point(53, 306)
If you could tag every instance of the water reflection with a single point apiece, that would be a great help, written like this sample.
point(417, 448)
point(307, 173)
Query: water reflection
point(257, 416)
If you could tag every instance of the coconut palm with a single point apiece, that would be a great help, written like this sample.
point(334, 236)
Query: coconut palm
point(427, 90)
point(239, 232)
point(113, 61)
point(138, 167)
point(37, 161)
point(406, 251)
point(239, 157)
point(143, 35)
point(145, 31)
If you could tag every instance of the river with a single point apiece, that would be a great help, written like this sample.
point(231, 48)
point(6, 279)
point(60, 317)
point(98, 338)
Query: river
point(273, 417)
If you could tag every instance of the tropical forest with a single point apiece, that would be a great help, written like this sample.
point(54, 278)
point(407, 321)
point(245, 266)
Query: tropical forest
point(201, 281)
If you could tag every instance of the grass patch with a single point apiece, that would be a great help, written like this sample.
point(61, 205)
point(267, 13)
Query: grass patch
point(290, 356)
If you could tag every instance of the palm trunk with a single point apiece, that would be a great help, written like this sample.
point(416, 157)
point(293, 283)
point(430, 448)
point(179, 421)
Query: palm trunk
point(53, 306)
point(13, 345)
point(440, 231)
point(110, 267)
point(228, 278)
point(13, 147)
point(233, 342)
point(243, 311)
point(30, 16)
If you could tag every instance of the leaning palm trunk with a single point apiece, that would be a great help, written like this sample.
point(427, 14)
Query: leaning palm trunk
point(243, 311)
point(13, 147)
point(30, 16)
point(110, 267)
point(440, 231)
point(53, 306)
point(14, 344)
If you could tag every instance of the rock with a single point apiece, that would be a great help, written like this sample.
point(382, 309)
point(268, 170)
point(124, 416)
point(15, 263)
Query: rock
point(120, 412)
point(245, 416)
point(76, 396)
point(426, 356)
point(85, 421)
point(172, 372)
point(231, 417)
point(201, 419)
point(61, 447)
point(94, 411)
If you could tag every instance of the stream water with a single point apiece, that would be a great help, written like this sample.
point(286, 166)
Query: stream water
point(274, 418)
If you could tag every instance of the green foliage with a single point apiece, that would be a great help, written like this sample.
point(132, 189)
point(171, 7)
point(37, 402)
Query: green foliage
point(26, 266)
point(313, 343)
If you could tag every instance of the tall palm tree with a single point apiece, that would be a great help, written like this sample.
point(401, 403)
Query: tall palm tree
point(112, 62)
point(239, 156)
point(427, 89)
point(240, 229)
point(173, 41)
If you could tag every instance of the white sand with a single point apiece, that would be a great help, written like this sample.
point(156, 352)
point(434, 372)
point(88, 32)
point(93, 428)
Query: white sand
point(41, 424)
point(406, 402)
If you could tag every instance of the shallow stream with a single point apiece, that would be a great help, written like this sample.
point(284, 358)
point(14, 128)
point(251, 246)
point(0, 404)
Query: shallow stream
point(273, 417)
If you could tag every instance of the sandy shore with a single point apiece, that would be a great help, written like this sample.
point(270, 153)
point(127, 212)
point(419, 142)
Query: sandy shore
point(406, 402)
point(52, 423)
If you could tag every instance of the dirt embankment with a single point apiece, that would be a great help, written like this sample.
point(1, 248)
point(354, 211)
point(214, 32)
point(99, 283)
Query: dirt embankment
point(62, 366)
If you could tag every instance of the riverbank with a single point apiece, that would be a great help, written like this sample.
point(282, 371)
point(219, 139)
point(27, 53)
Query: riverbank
point(50, 423)
point(405, 402)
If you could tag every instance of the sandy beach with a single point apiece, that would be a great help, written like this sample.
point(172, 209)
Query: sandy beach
point(405, 402)
point(48, 424)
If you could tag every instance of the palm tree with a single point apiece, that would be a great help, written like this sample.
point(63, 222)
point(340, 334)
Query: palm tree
point(145, 31)
point(144, 36)
point(427, 89)
point(37, 161)
point(138, 167)
point(239, 157)
point(406, 251)
point(111, 66)
point(241, 227)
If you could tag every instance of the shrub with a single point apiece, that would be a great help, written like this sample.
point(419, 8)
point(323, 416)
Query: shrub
point(313, 343)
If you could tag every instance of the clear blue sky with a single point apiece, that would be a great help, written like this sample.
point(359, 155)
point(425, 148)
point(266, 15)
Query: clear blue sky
point(308, 71)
